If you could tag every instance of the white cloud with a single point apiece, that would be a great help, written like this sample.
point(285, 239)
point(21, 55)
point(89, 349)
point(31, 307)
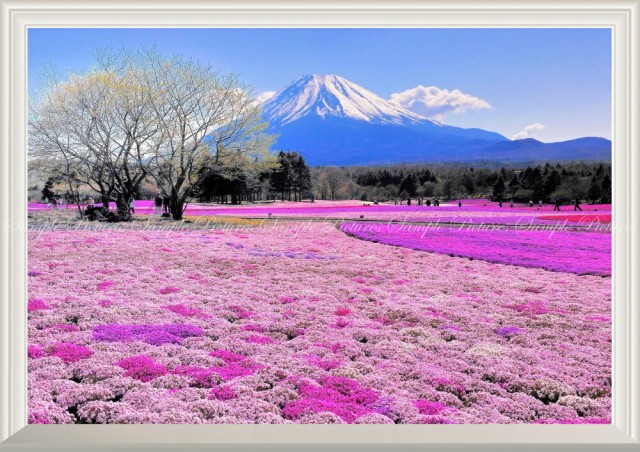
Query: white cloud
point(436, 103)
point(265, 96)
point(529, 131)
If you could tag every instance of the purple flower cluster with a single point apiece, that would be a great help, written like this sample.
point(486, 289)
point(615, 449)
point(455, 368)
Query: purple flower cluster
point(576, 252)
point(508, 331)
point(151, 334)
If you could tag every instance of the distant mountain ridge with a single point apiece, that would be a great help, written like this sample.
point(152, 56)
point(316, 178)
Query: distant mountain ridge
point(332, 121)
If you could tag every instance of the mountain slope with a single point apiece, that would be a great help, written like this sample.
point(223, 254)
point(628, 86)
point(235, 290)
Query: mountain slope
point(332, 121)
point(329, 95)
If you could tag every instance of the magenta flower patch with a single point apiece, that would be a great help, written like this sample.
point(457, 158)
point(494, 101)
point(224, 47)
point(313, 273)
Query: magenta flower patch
point(227, 356)
point(222, 393)
point(235, 365)
point(70, 353)
point(185, 311)
point(339, 395)
point(169, 289)
point(37, 304)
point(253, 327)
point(324, 364)
point(429, 408)
point(142, 368)
point(33, 351)
point(199, 376)
point(105, 285)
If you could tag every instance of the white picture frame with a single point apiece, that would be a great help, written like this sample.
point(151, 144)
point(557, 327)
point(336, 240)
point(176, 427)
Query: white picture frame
point(621, 16)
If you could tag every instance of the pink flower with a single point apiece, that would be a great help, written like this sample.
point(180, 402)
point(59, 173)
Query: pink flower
point(428, 407)
point(185, 311)
point(105, 285)
point(37, 304)
point(222, 393)
point(70, 353)
point(142, 368)
point(257, 339)
point(169, 289)
point(33, 351)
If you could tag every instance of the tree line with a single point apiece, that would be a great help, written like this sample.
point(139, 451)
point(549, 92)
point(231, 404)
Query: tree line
point(545, 182)
point(288, 178)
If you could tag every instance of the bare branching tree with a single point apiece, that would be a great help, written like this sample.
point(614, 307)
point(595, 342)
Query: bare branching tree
point(199, 114)
point(139, 115)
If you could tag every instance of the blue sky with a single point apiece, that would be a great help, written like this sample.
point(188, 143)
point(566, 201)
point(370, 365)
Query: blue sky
point(556, 81)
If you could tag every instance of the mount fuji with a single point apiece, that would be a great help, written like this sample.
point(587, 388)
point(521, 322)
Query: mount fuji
point(332, 121)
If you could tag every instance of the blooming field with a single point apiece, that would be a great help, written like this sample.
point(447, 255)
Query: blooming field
point(575, 252)
point(301, 323)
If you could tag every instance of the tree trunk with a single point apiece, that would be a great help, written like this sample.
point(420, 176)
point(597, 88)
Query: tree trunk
point(106, 199)
point(176, 207)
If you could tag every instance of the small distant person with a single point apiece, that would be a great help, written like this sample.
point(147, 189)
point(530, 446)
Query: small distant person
point(500, 204)
point(132, 207)
point(556, 205)
point(313, 198)
point(165, 204)
point(459, 203)
point(540, 203)
point(576, 204)
point(511, 203)
point(54, 202)
point(408, 201)
point(395, 201)
point(419, 200)
point(428, 203)
point(158, 205)
point(530, 203)
point(91, 209)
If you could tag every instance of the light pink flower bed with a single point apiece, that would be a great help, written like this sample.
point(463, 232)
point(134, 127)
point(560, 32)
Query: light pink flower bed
point(305, 326)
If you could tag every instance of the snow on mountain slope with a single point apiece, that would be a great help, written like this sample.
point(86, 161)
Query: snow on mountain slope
point(330, 95)
point(332, 121)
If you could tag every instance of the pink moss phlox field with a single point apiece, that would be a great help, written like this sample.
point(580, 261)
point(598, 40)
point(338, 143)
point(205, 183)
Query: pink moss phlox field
point(576, 252)
point(380, 334)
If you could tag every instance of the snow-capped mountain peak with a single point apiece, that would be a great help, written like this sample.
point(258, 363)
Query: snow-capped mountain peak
point(330, 95)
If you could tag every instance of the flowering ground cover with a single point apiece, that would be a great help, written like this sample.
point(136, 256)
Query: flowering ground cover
point(340, 207)
point(297, 322)
point(593, 218)
point(576, 252)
